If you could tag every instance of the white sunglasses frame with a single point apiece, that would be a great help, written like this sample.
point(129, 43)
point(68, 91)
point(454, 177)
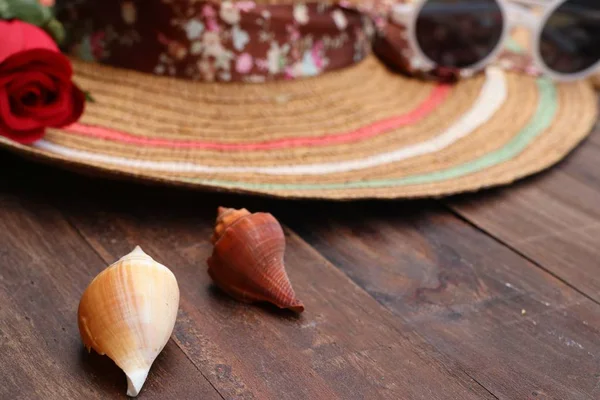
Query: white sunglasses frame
point(514, 13)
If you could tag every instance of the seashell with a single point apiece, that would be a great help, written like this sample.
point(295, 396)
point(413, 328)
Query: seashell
point(128, 313)
point(247, 259)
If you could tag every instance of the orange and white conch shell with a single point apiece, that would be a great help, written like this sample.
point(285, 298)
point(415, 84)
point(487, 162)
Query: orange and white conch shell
point(247, 259)
point(128, 313)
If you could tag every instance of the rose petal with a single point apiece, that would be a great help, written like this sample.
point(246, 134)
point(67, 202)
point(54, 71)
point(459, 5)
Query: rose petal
point(31, 78)
point(44, 61)
point(68, 108)
point(30, 82)
point(59, 110)
point(45, 75)
point(20, 106)
point(5, 79)
point(64, 110)
point(28, 91)
point(26, 137)
point(18, 36)
point(13, 122)
point(78, 102)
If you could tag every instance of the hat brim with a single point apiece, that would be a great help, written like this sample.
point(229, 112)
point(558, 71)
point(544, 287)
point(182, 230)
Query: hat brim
point(361, 132)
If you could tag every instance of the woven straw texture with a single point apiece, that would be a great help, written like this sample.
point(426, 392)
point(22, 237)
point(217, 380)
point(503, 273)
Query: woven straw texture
point(361, 132)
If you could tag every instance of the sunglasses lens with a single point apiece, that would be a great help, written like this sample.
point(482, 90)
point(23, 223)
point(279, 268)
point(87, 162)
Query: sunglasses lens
point(459, 33)
point(570, 41)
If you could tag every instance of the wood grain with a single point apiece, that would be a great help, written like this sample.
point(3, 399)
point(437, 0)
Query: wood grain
point(595, 136)
point(44, 267)
point(344, 346)
point(517, 330)
point(487, 296)
point(553, 219)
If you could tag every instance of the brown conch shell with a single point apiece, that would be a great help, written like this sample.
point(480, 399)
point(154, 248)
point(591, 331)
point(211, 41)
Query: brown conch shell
point(128, 313)
point(247, 260)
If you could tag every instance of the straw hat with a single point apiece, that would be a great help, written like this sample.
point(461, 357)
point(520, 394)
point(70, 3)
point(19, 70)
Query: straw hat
point(596, 80)
point(320, 130)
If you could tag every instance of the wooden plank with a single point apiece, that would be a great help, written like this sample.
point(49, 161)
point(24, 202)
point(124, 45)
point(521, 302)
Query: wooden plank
point(583, 165)
point(517, 330)
point(44, 267)
point(344, 346)
point(595, 136)
point(553, 219)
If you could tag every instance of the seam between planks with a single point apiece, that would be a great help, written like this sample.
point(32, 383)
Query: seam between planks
point(340, 272)
point(518, 252)
point(84, 238)
point(383, 307)
point(343, 275)
point(484, 388)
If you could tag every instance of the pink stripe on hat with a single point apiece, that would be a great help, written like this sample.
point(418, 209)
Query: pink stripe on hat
point(436, 97)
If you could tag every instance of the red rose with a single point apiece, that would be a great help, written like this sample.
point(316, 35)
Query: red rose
point(36, 90)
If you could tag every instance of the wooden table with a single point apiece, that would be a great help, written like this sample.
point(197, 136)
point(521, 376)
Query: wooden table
point(493, 295)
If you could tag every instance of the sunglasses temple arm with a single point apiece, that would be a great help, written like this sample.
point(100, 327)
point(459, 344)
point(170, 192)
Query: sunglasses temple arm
point(402, 13)
point(533, 3)
point(519, 15)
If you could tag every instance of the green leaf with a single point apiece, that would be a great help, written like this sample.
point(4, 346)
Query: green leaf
point(88, 97)
point(29, 11)
point(5, 12)
point(56, 30)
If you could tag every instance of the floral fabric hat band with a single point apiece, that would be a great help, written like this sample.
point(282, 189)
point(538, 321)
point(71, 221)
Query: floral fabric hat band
point(242, 41)
point(231, 41)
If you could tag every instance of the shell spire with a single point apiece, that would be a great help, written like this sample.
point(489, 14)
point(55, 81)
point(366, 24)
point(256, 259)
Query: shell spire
point(128, 313)
point(247, 259)
point(225, 218)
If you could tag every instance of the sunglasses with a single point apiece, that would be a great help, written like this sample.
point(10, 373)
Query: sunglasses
point(466, 35)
